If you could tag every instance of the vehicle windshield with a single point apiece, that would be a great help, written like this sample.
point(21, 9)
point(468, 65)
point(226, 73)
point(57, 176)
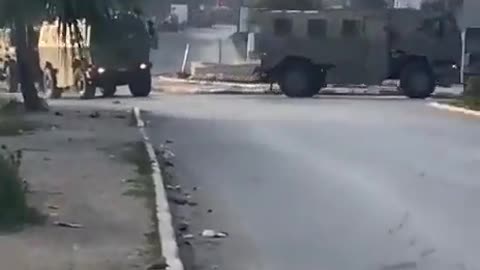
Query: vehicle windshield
point(123, 40)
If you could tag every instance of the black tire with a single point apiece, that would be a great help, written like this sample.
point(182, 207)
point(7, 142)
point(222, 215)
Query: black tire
point(320, 80)
point(82, 86)
point(50, 84)
point(109, 90)
point(417, 80)
point(141, 84)
point(298, 81)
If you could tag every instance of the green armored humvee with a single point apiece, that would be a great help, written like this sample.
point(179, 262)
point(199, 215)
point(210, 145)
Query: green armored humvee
point(304, 50)
point(111, 54)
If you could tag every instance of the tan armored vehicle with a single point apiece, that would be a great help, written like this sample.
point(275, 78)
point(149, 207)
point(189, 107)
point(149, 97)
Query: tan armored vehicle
point(305, 50)
point(8, 60)
point(115, 53)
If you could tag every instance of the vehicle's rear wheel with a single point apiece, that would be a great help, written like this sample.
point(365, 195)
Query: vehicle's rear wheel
point(109, 90)
point(417, 80)
point(141, 84)
point(298, 81)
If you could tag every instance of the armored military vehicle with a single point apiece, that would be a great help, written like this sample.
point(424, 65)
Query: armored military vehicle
point(305, 50)
point(110, 54)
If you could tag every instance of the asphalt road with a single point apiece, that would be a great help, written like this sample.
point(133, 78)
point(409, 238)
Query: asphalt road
point(329, 183)
point(334, 183)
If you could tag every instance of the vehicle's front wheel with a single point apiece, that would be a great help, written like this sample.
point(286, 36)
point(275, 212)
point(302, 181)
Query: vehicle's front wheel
point(109, 90)
point(141, 84)
point(417, 80)
point(82, 86)
point(298, 81)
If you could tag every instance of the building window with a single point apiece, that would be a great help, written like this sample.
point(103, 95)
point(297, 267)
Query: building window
point(351, 28)
point(317, 28)
point(282, 27)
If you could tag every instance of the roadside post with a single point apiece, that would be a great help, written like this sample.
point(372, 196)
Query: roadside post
point(220, 51)
point(185, 58)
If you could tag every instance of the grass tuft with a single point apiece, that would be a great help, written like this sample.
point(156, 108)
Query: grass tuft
point(142, 187)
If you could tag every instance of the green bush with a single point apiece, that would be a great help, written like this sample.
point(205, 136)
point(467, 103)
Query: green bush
point(472, 87)
point(14, 210)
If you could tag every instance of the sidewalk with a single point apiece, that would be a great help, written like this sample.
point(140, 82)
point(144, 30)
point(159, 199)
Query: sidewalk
point(76, 173)
point(191, 86)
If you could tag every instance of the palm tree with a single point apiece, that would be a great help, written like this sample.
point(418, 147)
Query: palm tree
point(21, 15)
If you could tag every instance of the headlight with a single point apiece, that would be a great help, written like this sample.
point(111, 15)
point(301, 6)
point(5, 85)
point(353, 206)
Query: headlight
point(143, 66)
point(101, 70)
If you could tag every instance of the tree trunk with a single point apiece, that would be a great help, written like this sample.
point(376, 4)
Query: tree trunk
point(31, 100)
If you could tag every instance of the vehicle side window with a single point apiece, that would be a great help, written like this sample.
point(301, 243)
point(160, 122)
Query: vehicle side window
point(351, 28)
point(317, 28)
point(282, 27)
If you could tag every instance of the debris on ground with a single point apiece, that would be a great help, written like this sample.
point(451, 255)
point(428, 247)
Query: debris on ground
point(210, 211)
point(213, 234)
point(68, 225)
point(400, 266)
point(188, 236)
point(195, 188)
point(159, 265)
point(181, 201)
point(168, 164)
point(168, 142)
point(53, 207)
point(183, 226)
point(94, 115)
point(116, 102)
point(172, 187)
point(427, 252)
point(167, 154)
point(120, 116)
point(190, 203)
point(58, 114)
point(176, 200)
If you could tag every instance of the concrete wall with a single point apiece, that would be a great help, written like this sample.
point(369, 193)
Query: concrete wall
point(469, 14)
point(203, 48)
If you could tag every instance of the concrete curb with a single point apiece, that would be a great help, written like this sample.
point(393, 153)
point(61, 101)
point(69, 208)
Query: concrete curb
point(205, 82)
point(454, 109)
point(165, 226)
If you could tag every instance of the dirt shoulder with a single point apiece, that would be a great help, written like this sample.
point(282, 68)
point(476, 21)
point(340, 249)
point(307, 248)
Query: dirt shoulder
point(76, 172)
point(470, 103)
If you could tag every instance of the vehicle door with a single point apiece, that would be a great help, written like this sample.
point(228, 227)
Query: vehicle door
point(358, 51)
